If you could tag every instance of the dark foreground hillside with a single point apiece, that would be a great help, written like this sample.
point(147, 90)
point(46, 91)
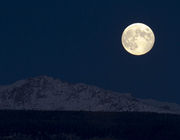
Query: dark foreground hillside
point(62, 125)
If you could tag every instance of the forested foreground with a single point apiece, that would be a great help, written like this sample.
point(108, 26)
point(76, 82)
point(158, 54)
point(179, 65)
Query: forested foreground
point(69, 125)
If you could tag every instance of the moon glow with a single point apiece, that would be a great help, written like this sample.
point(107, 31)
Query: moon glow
point(138, 39)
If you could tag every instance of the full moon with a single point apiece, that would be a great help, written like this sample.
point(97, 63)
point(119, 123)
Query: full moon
point(138, 39)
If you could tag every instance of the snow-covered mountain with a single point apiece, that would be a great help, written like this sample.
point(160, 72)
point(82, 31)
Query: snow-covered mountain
point(46, 93)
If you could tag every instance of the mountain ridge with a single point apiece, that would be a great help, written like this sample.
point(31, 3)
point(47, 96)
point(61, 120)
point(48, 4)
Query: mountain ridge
point(47, 93)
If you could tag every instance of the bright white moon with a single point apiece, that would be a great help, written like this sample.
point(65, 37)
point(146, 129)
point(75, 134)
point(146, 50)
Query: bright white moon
point(138, 39)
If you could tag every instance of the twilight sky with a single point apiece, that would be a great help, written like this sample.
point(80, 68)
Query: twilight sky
point(80, 41)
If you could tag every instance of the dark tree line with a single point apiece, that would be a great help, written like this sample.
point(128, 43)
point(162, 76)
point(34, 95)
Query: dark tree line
point(88, 125)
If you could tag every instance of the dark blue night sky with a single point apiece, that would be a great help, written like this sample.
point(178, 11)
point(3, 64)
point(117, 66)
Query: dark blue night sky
point(80, 41)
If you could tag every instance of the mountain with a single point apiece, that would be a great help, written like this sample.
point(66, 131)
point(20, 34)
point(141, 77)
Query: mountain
point(46, 93)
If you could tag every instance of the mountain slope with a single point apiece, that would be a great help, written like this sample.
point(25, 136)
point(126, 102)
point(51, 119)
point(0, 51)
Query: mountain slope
point(46, 93)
